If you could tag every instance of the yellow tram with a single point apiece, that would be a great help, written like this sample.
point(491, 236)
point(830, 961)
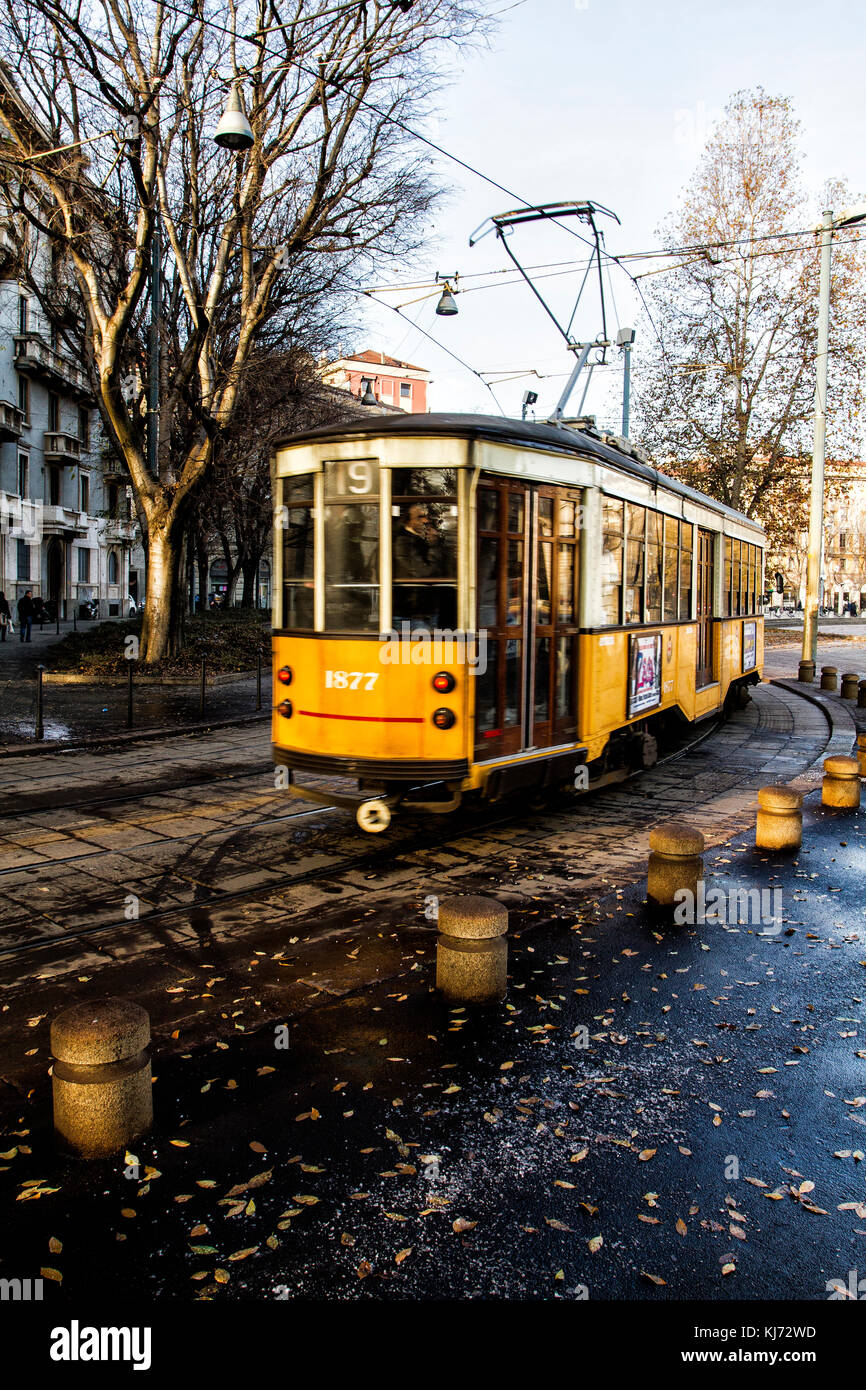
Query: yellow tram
point(471, 604)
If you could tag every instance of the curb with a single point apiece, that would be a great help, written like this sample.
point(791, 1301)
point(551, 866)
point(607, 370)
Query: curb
point(843, 724)
point(24, 750)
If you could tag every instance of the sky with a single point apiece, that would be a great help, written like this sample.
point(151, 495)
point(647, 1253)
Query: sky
point(611, 101)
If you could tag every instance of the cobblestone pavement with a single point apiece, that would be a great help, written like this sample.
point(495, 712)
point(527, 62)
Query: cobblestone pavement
point(191, 836)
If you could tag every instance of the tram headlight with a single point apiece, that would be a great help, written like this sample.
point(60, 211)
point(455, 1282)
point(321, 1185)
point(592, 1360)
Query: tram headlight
point(444, 718)
point(444, 682)
point(285, 675)
point(285, 709)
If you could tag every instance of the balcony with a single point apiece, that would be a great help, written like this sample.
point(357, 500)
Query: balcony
point(63, 521)
point(11, 421)
point(34, 357)
point(61, 448)
point(121, 532)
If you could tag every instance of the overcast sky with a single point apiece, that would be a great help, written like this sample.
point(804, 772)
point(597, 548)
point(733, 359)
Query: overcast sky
point(609, 100)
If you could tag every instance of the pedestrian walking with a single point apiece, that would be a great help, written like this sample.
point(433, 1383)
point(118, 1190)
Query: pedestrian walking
point(26, 609)
point(5, 616)
point(40, 612)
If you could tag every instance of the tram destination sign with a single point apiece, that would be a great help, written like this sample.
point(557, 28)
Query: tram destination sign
point(644, 671)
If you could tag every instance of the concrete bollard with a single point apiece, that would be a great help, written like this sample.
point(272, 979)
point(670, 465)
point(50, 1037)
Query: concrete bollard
point(806, 672)
point(841, 784)
point(780, 818)
point(861, 754)
point(861, 695)
point(675, 861)
point(472, 950)
point(850, 682)
point(828, 677)
point(101, 1077)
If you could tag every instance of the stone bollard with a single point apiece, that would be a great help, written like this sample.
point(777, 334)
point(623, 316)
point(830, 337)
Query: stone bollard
point(675, 861)
point(828, 677)
point(841, 785)
point(861, 754)
point(861, 695)
point(472, 950)
point(806, 672)
point(850, 682)
point(780, 818)
point(101, 1077)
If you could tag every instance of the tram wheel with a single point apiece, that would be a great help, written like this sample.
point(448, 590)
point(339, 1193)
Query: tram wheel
point(373, 816)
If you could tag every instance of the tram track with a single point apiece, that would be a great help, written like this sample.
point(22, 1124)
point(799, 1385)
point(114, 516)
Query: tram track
point(368, 860)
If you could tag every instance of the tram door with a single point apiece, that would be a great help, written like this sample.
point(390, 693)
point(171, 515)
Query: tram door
point(705, 591)
point(527, 574)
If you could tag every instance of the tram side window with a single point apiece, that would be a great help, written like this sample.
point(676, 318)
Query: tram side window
point(686, 549)
point(654, 567)
point(352, 551)
point(424, 547)
point(611, 563)
point(634, 564)
point(295, 520)
point(672, 527)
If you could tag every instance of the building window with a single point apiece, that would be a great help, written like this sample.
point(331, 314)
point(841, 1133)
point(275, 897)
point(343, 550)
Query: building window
point(84, 565)
point(84, 427)
point(54, 487)
point(111, 494)
point(23, 313)
point(843, 540)
point(84, 484)
point(406, 391)
point(112, 567)
point(24, 398)
point(53, 413)
point(23, 475)
point(23, 561)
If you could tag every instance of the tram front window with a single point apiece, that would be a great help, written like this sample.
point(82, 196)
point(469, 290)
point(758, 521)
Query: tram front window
point(295, 520)
point(352, 519)
point(424, 548)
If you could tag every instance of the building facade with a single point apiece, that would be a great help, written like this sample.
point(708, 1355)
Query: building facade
point(843, 568)
point(394, 384)
point(67, 527)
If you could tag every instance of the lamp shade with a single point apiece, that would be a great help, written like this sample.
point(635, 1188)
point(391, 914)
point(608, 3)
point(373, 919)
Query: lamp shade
point(446, 305)
point(234, 131)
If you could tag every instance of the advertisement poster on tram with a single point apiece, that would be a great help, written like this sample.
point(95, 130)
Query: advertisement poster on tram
point(644, 671)
point(750, 646)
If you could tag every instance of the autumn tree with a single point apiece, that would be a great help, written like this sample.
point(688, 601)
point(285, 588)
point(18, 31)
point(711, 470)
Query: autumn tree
point(725, 393)
point(108, 109)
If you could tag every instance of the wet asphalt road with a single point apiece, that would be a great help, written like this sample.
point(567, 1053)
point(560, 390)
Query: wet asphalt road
point(697, 1134)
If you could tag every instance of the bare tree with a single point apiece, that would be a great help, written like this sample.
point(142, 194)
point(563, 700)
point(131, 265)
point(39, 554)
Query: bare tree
point(725, 400)
point(109, 151)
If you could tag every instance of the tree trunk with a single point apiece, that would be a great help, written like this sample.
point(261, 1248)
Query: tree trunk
point(250, 570)
point(161, 630)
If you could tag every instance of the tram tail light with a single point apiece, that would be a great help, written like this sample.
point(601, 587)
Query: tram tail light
point(285, 675)
point(444, 718)
point(444, 682)
point(285, 709)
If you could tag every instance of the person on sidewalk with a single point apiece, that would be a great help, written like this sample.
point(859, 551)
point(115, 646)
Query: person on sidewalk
point(5, 616)
point(25, 615)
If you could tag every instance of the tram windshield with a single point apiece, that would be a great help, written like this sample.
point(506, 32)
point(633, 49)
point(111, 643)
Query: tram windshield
point(424, 547)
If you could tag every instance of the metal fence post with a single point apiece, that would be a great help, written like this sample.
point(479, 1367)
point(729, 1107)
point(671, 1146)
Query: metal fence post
point(201, 696)
point(129, 696)
point(40, 725)
point(259, 678)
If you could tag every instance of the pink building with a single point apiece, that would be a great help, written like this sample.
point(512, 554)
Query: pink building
point(397, 384)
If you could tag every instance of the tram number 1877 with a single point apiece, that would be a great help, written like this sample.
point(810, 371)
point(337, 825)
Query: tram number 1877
point(350, 680)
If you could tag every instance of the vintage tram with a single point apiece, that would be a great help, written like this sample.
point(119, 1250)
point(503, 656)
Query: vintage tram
point(471, 604)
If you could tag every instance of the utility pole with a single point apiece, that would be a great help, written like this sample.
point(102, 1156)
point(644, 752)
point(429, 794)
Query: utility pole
point(829, 224)
point(624, 339)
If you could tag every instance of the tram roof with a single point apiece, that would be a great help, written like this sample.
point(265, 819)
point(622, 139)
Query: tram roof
point(562, 439)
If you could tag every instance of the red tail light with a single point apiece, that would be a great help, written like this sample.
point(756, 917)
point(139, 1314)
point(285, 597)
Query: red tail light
point(285, 675)
point(444, 718)
point(444, 682)
point(285, 709)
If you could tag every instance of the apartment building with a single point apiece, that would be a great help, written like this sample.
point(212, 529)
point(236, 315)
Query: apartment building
point(376, 378)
